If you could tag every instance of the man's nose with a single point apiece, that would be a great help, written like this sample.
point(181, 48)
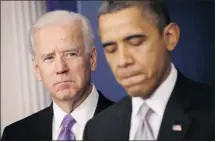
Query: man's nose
point(61, 66)
point(125, 58)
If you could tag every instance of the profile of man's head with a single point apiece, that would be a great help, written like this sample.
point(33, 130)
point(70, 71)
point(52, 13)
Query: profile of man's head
point(137, 37)
point(63, 53)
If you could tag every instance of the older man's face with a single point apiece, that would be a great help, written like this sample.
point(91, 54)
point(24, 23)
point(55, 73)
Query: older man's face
point(61, 61)
point(135, 50)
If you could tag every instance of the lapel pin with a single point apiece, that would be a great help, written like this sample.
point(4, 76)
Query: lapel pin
point(177, 127)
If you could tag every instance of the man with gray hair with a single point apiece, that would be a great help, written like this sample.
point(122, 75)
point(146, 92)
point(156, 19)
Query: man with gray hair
point(162, 104)
point(64, 56)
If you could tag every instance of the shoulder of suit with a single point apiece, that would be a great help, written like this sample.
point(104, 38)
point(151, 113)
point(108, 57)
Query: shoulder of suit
point(199, 94)
point(29, 120)
point(104, 100)
point(112, 111)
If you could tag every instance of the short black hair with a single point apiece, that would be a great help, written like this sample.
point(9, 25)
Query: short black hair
point(156, 7)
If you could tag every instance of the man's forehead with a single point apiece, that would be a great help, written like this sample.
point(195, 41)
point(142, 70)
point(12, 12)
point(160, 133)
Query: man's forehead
point(67, 27)
point(59, 35)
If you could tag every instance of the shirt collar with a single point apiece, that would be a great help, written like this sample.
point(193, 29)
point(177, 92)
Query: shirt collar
point(158, 100)
point(86, 109)
point(82, 113)
point(59, 114)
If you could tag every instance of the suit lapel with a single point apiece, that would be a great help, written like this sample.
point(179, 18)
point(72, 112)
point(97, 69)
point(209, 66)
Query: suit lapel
point(44, 126)
point(123, 119)
point(175, 122)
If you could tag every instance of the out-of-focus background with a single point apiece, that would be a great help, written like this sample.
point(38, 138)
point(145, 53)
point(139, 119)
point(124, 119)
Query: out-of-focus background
point(22, 94)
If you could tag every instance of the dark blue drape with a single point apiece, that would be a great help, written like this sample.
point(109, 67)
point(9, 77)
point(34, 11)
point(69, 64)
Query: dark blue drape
point(62, 4)
point(194, 55)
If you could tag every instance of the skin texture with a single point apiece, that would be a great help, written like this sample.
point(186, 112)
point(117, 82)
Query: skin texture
point(137, 53)
point(62, 63)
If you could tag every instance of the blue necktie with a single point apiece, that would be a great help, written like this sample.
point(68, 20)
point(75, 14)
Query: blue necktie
point(66, 134)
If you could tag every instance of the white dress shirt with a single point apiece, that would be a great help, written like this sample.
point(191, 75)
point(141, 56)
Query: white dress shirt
point(81, 114)
point(157, 102)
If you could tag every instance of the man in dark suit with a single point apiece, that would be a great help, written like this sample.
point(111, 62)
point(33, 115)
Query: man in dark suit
point(63, 56)
point(163, 104)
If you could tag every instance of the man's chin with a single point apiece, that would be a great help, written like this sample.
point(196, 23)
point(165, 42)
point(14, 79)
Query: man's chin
point(65, 94)
point(134, 94)
point(137, 91)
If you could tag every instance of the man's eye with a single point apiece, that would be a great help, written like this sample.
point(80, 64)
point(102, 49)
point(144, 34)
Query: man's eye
point(110, 49)
point(48, 58)
point(135, 41)
point(70, 54)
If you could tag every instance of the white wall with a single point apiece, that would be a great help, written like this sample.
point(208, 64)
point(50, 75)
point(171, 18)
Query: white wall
point(21, 93)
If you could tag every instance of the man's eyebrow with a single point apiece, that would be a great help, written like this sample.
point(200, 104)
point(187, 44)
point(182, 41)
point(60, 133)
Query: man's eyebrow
point(105, 44)
point(69, 50)
point(47, 54)
point(134, 36)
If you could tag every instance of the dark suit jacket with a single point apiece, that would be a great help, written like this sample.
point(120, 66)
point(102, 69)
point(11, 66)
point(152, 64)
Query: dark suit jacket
point(191, 105)
point(38, 126)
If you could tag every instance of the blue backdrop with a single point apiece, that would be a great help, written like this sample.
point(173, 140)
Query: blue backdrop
point(194, 55)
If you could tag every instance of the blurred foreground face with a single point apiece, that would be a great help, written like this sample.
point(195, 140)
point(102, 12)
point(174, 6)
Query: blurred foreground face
point(135, 50)
point(62, 63)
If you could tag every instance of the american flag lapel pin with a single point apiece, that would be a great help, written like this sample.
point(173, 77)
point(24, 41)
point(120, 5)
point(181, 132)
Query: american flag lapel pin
point(177, 127)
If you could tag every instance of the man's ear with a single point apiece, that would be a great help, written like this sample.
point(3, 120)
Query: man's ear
point(36, 69)
point(171, 34)
point(93, 59)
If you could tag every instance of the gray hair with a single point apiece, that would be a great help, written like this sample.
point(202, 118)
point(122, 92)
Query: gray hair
point(156, 8)
point(60, 16)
